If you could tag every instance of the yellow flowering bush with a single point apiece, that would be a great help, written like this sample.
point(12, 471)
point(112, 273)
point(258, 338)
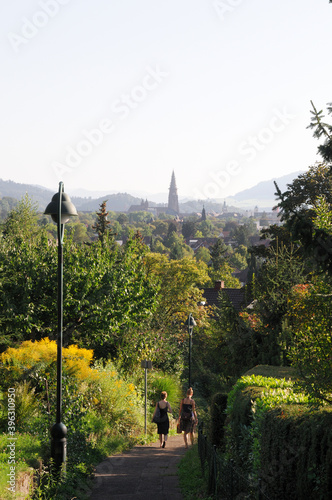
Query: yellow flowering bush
point(118, 401)
point(86, 388)
point(44, 351)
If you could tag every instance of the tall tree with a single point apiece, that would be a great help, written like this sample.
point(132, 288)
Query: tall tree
point(102, 225)
point(271, 288)
point(21, 221)
point(218, 251)
point(322, 130)
point(298, 211)
point(299, 202)
point(188, 229)
point(310, 320)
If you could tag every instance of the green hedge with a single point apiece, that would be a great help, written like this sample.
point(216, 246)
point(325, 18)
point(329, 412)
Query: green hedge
point(218, 417)
point(296, 454)
point(276, 436)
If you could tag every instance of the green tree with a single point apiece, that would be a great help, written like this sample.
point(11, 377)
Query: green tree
point(218, 253)
point(322, 130)
point(309, 320)
point(298, 212)
point(224, 273)
point(188, 229)
point(157, 246)
point(106, 291)
point(78, 231)
point(299, 202)
point(122, 219)
point(102, 225)
point(238, 260)
point(271, 288)
point(180, 288)
point(178, 248)
point(206, 228)
point(203, 254)
point(161, 229)
point(6, 205)
point(241, 235)
point(21, 221)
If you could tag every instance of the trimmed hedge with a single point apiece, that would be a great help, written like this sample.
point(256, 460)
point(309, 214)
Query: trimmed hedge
point(296, 454)
point(277, 437)
point(218, 417)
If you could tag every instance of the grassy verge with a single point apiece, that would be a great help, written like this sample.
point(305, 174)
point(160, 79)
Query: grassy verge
point(192, 482)
point(20, 458)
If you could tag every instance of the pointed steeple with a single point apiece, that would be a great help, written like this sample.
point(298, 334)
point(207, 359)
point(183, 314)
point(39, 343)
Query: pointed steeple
point(173, 201)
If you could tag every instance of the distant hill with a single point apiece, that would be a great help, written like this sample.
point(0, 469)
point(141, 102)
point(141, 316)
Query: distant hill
point(42, 196)
point(261, 195)
point(119, 202)
point(11, 189)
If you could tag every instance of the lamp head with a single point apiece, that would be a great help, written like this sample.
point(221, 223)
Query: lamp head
point(190, 321)
point(67, 208)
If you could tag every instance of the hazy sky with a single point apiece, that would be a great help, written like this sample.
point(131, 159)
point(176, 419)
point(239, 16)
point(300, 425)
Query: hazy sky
point(113, 95)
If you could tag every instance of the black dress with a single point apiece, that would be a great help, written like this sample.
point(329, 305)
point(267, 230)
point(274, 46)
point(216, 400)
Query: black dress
point(163, 426)
point(187, 425)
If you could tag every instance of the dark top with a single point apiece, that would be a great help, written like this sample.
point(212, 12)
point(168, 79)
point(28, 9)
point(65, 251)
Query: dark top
point(163, 426)
point(187, 425)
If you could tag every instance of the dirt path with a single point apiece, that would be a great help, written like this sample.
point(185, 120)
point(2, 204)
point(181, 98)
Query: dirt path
point(144, 472)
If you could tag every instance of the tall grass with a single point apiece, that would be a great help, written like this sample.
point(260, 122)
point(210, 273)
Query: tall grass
point(159, 382)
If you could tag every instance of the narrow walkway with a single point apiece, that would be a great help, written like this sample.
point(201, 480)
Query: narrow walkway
point(144, 472)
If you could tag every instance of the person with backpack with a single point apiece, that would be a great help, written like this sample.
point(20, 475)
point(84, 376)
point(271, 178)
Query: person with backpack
point(188, 417)
point(160, 418)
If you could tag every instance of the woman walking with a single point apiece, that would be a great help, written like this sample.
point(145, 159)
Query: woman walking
point(188, 417)
point(163, 426)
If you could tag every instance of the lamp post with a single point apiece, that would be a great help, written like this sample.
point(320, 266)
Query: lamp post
point(191, 323)
point(60, 209)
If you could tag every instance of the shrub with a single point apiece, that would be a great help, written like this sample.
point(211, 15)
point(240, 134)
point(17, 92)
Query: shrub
point(159, 382)
point(85, 388)
point(275, 434)
point(218, 417)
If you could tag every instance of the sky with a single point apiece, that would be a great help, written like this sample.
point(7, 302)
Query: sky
point(112, 96)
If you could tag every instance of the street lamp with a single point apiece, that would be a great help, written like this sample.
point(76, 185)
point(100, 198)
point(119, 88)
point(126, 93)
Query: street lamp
point(190, 323)
point(60, 209)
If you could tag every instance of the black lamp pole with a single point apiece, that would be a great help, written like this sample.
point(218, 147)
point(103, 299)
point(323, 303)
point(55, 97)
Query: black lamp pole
point(60, 209)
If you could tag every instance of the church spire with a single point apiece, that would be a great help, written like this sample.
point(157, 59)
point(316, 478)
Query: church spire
point(173, 201)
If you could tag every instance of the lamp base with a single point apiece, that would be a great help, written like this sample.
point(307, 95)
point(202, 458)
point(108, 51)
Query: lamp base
point(59, 444)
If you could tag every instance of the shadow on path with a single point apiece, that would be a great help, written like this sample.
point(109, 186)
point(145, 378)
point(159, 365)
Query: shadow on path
point(144, 472)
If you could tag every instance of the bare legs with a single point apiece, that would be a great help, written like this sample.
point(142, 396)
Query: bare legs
point(185, 437)
point(163, 444)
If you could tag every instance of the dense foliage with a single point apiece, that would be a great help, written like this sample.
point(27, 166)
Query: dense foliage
point(278, 438)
